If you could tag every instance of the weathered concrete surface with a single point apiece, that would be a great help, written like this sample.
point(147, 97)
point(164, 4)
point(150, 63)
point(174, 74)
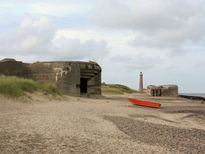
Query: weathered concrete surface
point(73, 78)
point(109, 125)
point(164, 90)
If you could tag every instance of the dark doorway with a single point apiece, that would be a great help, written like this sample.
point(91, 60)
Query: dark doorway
point(153, 94)
point(83, 85)
point(159, 92)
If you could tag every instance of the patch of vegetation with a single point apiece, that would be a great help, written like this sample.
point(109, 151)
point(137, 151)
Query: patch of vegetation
point(94, 62)
point(14, 87)
point(116, 89)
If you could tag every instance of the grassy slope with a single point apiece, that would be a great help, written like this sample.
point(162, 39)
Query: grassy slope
point(116, 89)
point(15, 87)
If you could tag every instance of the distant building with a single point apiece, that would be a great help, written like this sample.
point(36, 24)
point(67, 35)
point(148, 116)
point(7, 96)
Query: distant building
point(71, 78)
point(141, 82)
point(163, 90)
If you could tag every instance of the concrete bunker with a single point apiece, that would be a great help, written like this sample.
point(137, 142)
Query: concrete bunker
point(71, 77)
point(163, 90)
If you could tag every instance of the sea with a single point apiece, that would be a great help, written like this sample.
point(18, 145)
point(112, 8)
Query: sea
point(194, 94)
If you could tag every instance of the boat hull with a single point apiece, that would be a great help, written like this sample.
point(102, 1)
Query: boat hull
point(144, 103)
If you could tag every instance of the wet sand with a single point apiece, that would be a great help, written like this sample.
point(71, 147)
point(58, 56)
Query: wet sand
point(103, 125)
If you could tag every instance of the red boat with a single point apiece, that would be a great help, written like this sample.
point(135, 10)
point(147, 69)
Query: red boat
point(144, 103)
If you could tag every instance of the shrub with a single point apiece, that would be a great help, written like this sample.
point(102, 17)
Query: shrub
point(50, 88)
point(116, 89)
point(14, 86)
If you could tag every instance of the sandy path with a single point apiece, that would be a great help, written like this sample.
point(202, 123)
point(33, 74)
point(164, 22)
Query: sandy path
point(106, 125)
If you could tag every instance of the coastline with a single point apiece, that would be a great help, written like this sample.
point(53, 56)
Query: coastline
point(192, 97)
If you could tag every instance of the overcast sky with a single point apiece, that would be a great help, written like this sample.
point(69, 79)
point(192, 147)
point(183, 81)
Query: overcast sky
point(164, 39)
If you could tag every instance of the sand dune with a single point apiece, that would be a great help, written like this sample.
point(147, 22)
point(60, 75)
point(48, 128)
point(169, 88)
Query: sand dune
point(108, 124)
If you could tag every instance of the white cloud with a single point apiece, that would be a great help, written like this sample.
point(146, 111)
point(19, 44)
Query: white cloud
point(77, 50)
point(49, 8)
point(114, 39)
point(58, 9)
point(159, 23)
point(35, 37)
point(142, 59)
point(147, 15)
point(129, 57)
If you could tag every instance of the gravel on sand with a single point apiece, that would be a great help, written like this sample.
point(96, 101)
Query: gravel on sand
point(103, 125)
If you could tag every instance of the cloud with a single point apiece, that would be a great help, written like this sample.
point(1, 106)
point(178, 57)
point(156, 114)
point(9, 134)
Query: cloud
point(77, 50)
point(142, 60)
point(58, 9)
point(31, 36)
point(49, 8)
point(147, 15)
point(34, 39)
point(158, 24)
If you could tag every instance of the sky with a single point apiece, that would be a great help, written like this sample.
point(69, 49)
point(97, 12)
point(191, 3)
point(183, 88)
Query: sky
point(164, 39)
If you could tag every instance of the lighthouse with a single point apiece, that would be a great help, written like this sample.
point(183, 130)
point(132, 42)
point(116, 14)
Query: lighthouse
point(141, 82)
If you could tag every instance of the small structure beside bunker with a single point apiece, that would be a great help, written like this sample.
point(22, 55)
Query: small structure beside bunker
point(163, 90)
point(70, 77)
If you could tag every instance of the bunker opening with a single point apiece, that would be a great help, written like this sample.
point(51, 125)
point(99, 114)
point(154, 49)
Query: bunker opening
point(156, 92)
point(83, 85)
point(159, 92)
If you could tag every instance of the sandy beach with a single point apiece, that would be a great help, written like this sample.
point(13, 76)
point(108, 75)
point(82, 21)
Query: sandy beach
point(109, 124)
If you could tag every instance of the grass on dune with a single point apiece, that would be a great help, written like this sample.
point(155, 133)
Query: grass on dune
point(14, 86)
point(116, 89)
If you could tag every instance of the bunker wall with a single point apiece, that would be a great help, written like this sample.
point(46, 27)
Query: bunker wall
point(73, 78)
point(164, 90)
point(14, 68)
